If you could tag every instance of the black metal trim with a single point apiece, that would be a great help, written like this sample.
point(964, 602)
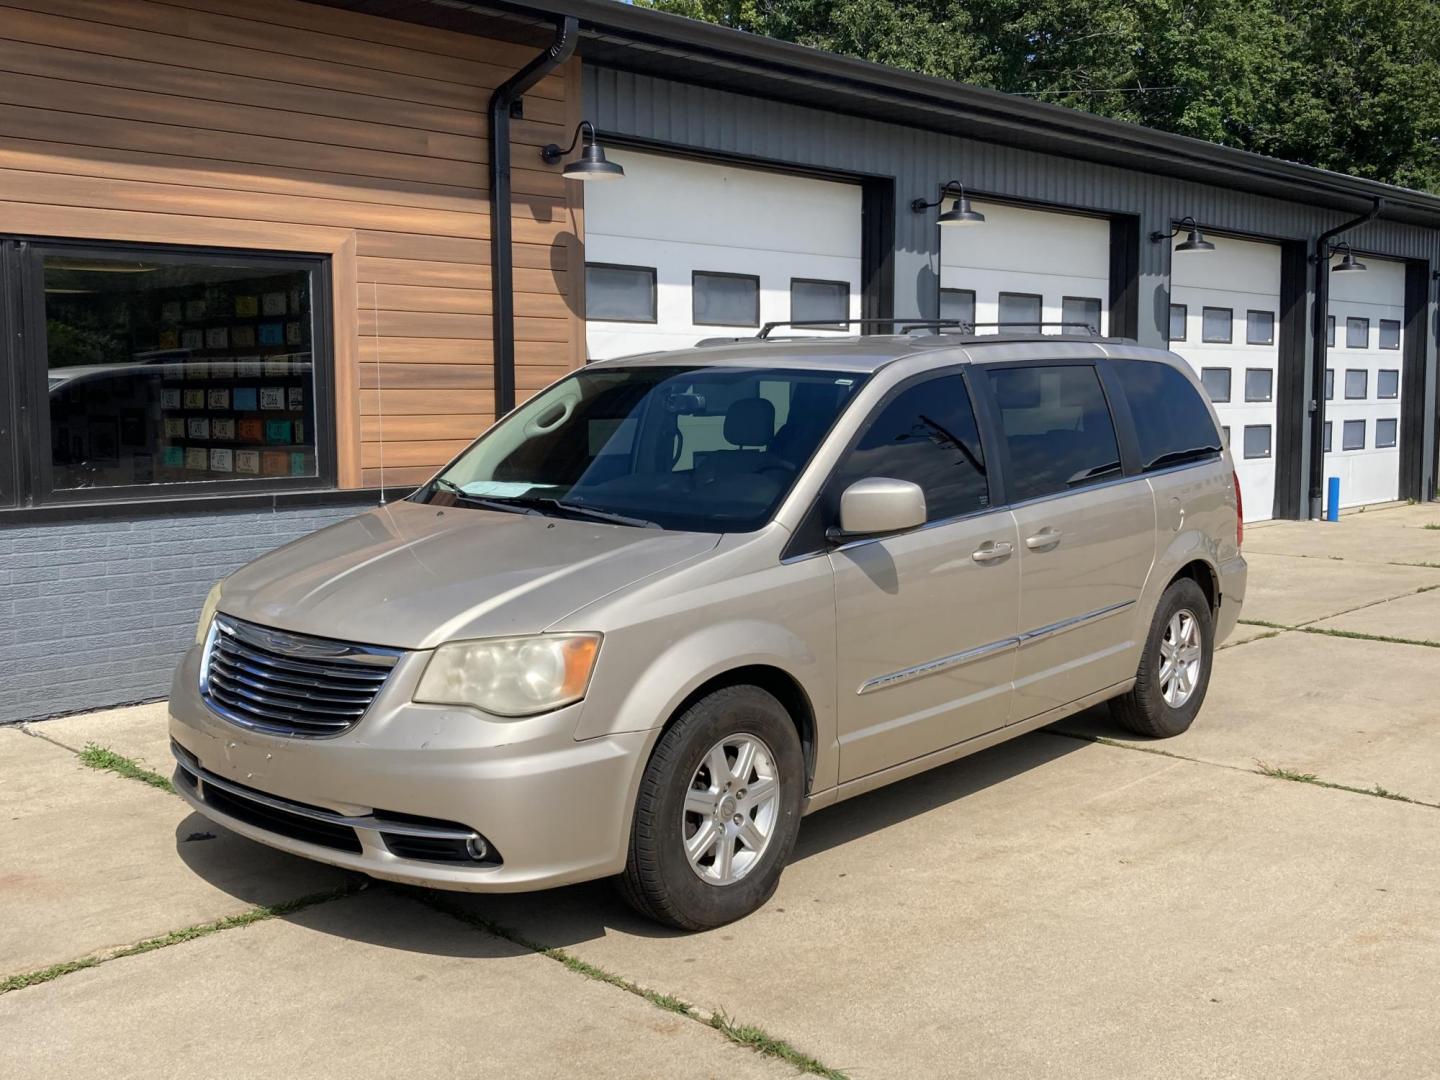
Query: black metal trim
point(10, 353)
point(1415, 343)
point(1124, 299)
point(502, 266)
point(1291, 375)
point(877, 249)
point(654, 293)
point(694, 274)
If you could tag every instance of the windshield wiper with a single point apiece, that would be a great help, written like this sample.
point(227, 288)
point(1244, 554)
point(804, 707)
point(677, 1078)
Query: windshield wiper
point(600, 515)
point(505, 505)
point(1093, 474)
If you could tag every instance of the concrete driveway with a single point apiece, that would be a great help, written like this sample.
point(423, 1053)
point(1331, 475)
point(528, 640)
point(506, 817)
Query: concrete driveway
point(1260, 896)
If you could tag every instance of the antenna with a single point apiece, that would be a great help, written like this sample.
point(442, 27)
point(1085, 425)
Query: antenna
point(379, 388)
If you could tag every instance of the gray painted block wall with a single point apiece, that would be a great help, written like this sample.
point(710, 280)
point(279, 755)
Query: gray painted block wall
point(97, 613)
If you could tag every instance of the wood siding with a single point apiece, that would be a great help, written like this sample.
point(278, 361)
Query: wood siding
point(277, 125)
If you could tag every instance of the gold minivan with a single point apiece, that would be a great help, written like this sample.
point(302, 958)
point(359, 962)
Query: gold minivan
point(675, 602)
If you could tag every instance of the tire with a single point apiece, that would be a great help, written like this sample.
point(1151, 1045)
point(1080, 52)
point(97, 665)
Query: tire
point(682, 776)
point(1157, 706)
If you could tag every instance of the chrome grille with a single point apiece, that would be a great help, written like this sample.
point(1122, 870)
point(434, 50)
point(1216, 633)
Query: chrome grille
point(289, 684)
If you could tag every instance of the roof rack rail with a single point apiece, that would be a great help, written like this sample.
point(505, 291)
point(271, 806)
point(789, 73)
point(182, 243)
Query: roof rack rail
point(905, 326)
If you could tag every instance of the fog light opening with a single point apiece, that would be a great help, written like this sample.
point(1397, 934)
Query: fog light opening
point(477, 848)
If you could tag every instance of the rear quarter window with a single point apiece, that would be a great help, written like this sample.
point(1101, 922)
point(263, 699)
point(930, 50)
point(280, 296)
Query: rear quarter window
point(1172, 424)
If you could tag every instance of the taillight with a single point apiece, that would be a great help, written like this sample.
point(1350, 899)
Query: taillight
point(1239, 511)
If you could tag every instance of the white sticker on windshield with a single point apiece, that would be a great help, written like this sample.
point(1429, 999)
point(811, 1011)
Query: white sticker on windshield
point(496, 489)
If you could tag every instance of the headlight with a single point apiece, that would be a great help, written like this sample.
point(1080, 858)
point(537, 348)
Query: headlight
point(511, 676)
point(212, 601)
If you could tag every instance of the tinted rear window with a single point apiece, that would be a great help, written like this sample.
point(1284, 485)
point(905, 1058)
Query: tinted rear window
point(1172, 424)
point(1057, 428)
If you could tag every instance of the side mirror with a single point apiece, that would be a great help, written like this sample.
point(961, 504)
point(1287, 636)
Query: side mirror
point(879, 505)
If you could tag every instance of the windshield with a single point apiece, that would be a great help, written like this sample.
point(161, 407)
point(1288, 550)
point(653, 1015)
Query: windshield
point(699, 449)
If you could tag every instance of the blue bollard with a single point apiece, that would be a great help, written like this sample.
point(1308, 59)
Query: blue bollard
point(1332, 511)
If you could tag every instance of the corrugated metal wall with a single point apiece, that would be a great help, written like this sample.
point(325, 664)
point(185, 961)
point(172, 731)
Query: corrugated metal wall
point(624, 103)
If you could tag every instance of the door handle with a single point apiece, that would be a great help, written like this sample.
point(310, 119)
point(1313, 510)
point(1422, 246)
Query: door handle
point(991, 552)
point(1045, 538)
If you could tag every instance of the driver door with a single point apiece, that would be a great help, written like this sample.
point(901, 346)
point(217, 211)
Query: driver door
point(927, 619)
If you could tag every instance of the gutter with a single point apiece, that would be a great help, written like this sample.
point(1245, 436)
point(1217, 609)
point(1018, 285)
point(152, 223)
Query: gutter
point(502, 263)
point(1321, 352)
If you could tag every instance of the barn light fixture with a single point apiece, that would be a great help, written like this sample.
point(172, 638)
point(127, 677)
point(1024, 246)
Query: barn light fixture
point(1348, 263)
point(591, 164)
point(1194, 242)
point(959, 214)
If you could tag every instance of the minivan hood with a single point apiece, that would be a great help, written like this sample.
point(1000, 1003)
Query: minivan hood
point(413, 575)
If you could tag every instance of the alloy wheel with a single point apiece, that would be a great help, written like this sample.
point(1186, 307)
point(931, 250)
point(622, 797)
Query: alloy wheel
point(1180, 656)
point(730, 809)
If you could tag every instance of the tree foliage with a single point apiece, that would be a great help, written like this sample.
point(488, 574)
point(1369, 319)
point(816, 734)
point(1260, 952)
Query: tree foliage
point(1349, 85)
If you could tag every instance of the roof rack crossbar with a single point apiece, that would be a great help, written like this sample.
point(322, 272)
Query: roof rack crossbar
point(831, 324)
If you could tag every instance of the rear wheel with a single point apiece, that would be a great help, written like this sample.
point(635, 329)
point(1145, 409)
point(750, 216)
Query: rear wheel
point(1174, 669)
point(717, 812)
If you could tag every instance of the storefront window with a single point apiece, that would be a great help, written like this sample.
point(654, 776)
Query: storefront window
point(165, 368)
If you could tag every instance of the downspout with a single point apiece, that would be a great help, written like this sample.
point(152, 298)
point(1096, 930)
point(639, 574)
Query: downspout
point(502, 266)
point(1322, 357)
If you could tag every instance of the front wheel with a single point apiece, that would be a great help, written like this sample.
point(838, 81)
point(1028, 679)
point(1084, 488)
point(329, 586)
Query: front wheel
point(1175, 666)
point(717, 812)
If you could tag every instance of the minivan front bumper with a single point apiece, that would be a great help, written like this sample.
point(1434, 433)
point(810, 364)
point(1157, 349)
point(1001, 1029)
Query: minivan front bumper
point(555, 810)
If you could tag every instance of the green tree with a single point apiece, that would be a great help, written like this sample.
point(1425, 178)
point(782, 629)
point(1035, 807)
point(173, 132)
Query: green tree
point(1350, 85)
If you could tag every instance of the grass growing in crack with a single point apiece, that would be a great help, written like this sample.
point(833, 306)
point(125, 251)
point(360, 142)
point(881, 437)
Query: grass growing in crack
point(175, 937)
point(1434, 526)
point(743, 1034)
point(98, 757)
point(1262, 622)
point(1375, 791)
point(1358, 636)
point(757, 1039)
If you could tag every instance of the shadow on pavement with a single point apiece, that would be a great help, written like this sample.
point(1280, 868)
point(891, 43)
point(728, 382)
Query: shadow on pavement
point(578, 913)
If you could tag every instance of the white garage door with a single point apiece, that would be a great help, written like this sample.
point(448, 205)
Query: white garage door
point(1026, 266)
point(1224, 319)
point(1362, 382)
point(682, 250)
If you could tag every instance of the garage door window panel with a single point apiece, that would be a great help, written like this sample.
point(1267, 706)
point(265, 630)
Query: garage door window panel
point(1257, 440)
point(722, 299)
point(1021, 313)
point(1357, 382)
point(1217, 326)
point(927, 435)
point(1080, 314)
point(1259, 384)
point(1387, 383)
point(1330, 331)
point(958, 304)
point(1357, 333)
point(1178, 313)
point(1328, 426)
point(1057, 428)
point(1390, 333)
point(1259, 328)
point(1385, 432)
point(1172, 424)
point(825, 303)
point(615, 293)
point(1216, 381)
point(1353, 435)
point(1329, 384)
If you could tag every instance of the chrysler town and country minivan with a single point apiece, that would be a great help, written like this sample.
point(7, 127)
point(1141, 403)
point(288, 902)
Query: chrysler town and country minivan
point(677, 601)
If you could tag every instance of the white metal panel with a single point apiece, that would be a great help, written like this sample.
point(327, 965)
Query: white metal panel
point(1021, 250)
point(1373, 474)
point(1239, 276)
point(679, 216)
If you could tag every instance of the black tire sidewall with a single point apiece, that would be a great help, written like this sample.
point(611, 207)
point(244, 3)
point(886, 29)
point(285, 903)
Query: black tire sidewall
point(1187, 595)
point(728, 712)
